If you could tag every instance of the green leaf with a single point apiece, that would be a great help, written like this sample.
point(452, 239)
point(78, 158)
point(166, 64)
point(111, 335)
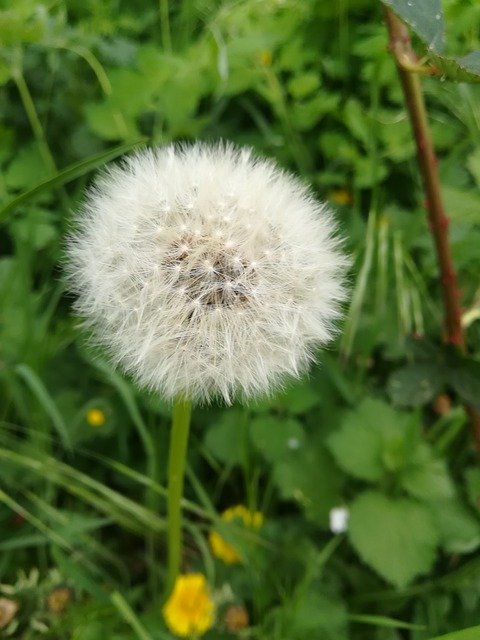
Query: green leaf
point(303, 84)
point(462, 204)
point(396, 537)
point(276, 437)
point(298, 399)
point(70, 173)
point(318, 616)
point(425, 18)
point(459, 529)
point(225, 438)
point(472, 479)
point(310, 478)
point(464, 69)
point(370, 441)
point(426, 477)
point(357, 121)
point(415, 384)
point(36, 229)
point(27, 166)
point(465, 379)
point(472, 633)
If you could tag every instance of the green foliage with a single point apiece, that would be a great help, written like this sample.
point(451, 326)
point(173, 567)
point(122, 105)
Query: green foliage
point(426, 19)
point(397, 537)
point(378, 429)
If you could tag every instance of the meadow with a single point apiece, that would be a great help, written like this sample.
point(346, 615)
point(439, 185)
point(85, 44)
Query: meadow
point(345, 506)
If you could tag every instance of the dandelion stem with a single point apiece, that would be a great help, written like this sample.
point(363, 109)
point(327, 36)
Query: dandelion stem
point(182, 410)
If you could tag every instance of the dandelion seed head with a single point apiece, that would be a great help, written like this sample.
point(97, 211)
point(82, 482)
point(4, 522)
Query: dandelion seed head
point(191, 263)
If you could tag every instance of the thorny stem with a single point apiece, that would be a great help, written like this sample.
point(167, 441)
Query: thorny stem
point(406, 61)
point(182, 410)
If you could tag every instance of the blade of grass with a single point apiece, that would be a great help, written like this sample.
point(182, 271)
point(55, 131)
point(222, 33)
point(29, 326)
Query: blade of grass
point(384, 621)
point(41, 393)
point(472, 633)
point(67, 175)
point(120, 508)
point(129, 616)
point(360, 289)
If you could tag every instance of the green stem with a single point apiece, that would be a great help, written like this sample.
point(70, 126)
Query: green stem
point(165, 25)
point(34, 120)
point(182, 410)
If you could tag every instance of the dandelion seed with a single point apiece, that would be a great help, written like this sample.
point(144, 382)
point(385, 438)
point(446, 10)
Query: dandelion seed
point(117, 244)
point(189, 611)
point(223, 549)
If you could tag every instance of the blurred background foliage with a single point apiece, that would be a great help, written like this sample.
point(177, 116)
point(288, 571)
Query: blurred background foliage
point(378, 428)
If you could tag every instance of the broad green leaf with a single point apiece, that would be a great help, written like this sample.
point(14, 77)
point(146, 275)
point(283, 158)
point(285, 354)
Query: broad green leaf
point(424, 17)
point(70, 173)
point(462, 204)
point(459, 529)
point(465, 379)
point(396, 537)
point(303, 84)
point(225, 439)
point(316, 615)
point(298, 399)
point(426, 477)
point(357, 121)
point(36, 228)
point(464, 69)
point(310, 478)
point(26, 168)
point(275, 437)
point(371, 440)
point(415, 384)
point(472, 633)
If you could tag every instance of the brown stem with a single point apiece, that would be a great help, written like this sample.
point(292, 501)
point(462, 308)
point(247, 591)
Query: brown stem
point(405, 59)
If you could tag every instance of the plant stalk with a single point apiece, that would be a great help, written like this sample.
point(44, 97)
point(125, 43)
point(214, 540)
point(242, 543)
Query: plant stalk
point(406, 61)
point(182, 410)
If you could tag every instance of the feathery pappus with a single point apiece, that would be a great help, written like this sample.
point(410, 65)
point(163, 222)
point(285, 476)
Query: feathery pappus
point(207, 272)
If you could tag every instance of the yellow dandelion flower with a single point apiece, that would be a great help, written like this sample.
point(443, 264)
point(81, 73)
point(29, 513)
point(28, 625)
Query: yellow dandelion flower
point(96, 417)
point(189, 611)
point(223, 549)
point(340, 196)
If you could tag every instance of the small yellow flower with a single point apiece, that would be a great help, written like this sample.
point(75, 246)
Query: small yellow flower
point(224, 550)
point(265, 58)
point(189, 611)
point(340, 196)
point(96, 417)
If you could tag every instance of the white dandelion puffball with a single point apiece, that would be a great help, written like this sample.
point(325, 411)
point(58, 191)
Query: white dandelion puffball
point(207, 272)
